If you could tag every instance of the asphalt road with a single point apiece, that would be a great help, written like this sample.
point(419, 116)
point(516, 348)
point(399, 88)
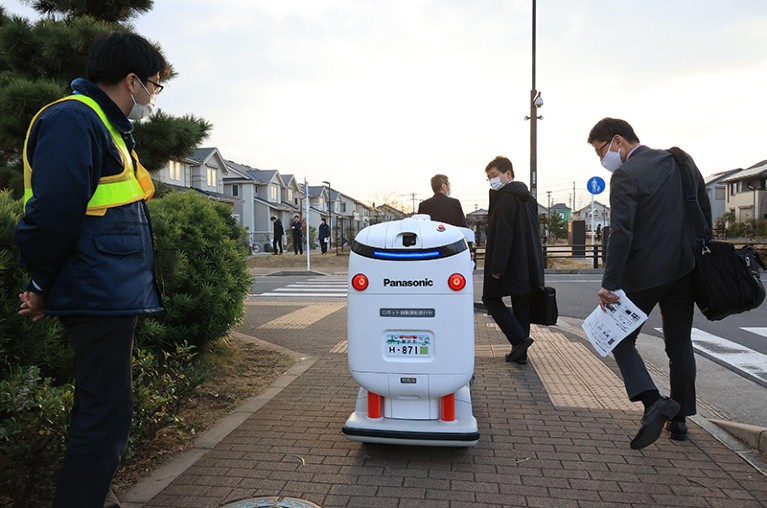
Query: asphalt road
point(576, 297)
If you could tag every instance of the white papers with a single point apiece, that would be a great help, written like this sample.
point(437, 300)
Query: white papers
point(605, 329)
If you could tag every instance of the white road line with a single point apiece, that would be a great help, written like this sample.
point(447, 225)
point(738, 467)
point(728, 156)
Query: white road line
point(750, 362)
point(757, 330)
point(343, 286)
point(304, 295)
point(311, 290)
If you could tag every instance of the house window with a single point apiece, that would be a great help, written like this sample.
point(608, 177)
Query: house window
point(174, 170)
point(273, 192)
point(290, 194)
point(733, 188)
point(343, 207)
point(719, 193)
point(235, 190)
point(212, 177)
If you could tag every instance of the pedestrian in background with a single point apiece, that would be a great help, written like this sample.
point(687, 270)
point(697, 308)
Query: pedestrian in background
point(277, 232)
point(324, 235)
point(298, 235)
point(86, 242)
point(441, 207)
point(650, 256)
point(513, 256)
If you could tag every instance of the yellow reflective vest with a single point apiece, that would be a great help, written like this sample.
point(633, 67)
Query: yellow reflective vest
point(114, 190)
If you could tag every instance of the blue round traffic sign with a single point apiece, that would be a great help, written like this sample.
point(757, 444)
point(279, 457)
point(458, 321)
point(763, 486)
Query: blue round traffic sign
point(595, 185)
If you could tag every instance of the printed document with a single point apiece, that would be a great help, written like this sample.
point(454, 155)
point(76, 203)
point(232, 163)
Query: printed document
point(605, 330)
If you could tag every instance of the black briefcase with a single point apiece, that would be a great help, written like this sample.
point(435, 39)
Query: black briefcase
point(543, 307)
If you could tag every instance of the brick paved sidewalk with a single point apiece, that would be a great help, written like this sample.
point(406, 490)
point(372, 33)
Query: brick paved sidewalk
point(554, 433)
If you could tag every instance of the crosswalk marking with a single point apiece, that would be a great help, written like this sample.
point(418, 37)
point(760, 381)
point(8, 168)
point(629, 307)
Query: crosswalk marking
point(757, 330)
point(325, 287)
point(751, 363)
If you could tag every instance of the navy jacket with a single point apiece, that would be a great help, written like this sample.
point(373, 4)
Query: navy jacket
point(513, 243)
point(84, 265)
point(324, 231)
point(651, 238)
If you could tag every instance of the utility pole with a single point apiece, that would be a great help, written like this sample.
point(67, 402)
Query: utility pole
point(573, 197)
point(535, 102)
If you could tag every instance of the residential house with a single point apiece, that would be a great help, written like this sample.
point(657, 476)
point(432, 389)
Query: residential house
point(563, 210)
point(601, 215)
point(385, 213)
point(203, 171)
point(717, 192)
point(260, 194)
point(746, 194)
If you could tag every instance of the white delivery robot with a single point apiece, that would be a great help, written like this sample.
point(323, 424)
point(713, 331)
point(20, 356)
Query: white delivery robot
point(411, 334)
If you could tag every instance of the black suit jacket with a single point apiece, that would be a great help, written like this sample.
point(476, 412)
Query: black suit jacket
point(443, 209)
point(513, 243)
point(651, 237)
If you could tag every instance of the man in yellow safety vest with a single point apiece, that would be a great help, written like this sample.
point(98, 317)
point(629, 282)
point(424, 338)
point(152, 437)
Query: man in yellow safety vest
point(86, 242)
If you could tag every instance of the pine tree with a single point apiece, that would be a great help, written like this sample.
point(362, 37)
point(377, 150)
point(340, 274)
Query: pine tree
point(40, 58)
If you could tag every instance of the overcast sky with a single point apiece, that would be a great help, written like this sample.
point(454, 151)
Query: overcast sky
point(377, 96)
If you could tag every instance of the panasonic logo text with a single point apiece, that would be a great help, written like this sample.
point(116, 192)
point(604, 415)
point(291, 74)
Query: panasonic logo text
point(408, 283)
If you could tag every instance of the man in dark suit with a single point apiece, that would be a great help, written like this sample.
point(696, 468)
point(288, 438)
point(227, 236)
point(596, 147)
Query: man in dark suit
point(650, 256)
point(441, 207)
point(514, 258)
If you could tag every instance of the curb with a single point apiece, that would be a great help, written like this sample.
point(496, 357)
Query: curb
point(752, 435)
point(147, 488)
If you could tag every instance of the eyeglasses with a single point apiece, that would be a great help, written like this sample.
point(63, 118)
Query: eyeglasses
point(599, 150)
point(157, 86)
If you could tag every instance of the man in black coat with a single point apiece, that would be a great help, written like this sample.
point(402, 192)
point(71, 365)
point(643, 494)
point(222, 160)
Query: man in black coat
point(513, 257)
point(324, 236)
point(650, 256)
point(277, 237)
point(441, 207)
point(298, 235)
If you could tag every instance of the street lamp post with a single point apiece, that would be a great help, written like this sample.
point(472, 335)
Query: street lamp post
point(330, 221)
point(535, 102)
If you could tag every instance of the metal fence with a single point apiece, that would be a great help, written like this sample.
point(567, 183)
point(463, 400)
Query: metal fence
point(597, 253)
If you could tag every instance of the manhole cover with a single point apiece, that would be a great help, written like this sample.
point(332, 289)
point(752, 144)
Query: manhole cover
point(272, 502)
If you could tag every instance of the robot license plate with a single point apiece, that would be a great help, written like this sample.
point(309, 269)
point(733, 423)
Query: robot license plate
point(408, 344)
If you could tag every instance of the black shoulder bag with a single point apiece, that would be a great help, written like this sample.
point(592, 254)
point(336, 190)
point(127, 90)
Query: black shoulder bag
point(726, 279)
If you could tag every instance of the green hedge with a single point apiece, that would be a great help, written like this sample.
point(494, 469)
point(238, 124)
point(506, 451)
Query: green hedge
point(202, 274)
point(201, 270)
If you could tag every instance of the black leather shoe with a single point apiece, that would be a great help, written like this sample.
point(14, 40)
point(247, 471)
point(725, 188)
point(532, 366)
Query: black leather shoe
point(519, 350)
point(678, 429)
point(652, 422)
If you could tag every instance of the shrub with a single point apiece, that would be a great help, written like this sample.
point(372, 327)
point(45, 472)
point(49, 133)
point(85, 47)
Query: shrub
point(33, 424)
point(201, 271)
point(23, 342)
point(161, 382)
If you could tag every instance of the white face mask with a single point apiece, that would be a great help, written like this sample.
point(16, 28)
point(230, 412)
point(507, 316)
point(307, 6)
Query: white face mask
point(139, 111)
point(496, 184)
point(612, 160)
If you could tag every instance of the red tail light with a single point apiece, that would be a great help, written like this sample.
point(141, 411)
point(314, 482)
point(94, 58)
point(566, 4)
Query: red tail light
point(456, 282)
point(360, 282)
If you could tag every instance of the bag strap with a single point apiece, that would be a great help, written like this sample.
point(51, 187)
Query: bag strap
point(694, 211)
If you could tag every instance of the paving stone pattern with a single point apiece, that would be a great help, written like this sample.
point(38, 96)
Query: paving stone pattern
point(530, 453)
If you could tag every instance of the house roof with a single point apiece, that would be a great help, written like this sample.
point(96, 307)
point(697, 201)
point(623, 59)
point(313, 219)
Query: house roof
point(315, 190)
point(755, 171)
point(201, 154)
point(589, 206)
point(560, 206)
point(714, 178)
point(257, 175)
point(481, 212)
